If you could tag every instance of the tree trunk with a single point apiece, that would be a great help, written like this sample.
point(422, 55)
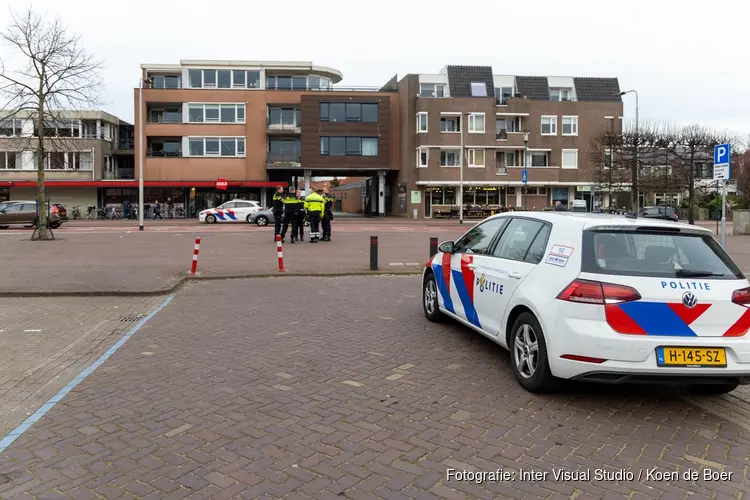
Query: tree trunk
point(42, 231)
point(634, 175)
point(691, 187)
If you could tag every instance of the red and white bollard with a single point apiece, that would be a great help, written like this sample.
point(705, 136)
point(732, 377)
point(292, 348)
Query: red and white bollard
point(279, 254)
point(196, 248)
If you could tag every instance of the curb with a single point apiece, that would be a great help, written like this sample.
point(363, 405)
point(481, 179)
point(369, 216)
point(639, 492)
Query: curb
point(183, 280)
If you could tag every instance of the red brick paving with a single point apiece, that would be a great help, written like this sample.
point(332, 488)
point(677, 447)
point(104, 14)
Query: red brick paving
point(291, 395)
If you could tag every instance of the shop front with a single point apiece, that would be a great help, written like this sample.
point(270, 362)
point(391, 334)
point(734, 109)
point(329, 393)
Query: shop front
point(4, 194)
point(478, 201)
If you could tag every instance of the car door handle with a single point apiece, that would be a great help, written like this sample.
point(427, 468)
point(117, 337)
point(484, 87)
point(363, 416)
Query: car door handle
point(472, 266)
point(515, 276)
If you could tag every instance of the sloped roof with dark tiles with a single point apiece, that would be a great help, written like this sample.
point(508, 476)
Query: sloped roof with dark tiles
point(533, 87)
point(597, 89)
point(460, 79)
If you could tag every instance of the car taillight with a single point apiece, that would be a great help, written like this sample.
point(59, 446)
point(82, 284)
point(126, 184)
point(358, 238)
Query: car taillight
point(596, 292)
point(54, 209)
point(742, 297)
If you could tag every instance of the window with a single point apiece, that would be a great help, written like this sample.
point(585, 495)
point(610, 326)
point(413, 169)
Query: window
point(450, 124)
point(196, 147)
point(238, 79)
point(502, 94)
point(450, 158)
point(369, 146)
point(539, 159)
point(510, 159)
point(654, 254)
point(478, 89)
point(538, 246)
point(348, 112)
point(216, 146)
point(569, 158)
point(569, 125)
point(476, 123)
point(284, 150)
point(422, 123)
point(549, 125)
point(209, 78)
point(370, 113)
point(225, 79)
point(559, 94)
point(314, 82)
point(283, 82)
point(476, 158)
point(431, 90)
point(517, 238)
point(507, 125)
point(195, 77)
point(353, 146)
point(253, 79)
point(479, 238)
point(8, 160)
point(423, 157)
point(299, 82)
point(217, 113)
point(349, 146)
point(608, 157)
point(337, 112)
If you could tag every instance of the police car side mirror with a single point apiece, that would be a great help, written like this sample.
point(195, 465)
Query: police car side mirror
point(446, 247)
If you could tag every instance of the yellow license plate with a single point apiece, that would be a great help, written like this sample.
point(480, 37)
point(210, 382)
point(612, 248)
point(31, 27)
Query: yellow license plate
point(691, 356)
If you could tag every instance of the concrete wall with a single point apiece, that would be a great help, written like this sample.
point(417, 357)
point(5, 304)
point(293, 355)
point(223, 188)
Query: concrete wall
point(741, 222)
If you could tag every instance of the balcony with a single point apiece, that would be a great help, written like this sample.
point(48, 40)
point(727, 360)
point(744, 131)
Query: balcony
point(163, 82)
point(120, 174)
point(284, 159)
point(164, 114)
point(170, 147)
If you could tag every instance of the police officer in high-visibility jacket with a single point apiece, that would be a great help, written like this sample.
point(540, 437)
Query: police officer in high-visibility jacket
point(278, 210)
point(292, 207)
point(327, 215)
point(315, 206)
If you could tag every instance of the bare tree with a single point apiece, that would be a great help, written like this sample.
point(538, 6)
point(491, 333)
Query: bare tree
point(53, 75)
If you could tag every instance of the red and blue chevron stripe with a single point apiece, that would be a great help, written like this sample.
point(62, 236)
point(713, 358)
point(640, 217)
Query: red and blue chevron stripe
point(664, 319)
point(443, 280)
point(464, 280)
point(224, 214)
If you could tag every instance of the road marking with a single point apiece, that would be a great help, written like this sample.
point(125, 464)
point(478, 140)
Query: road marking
point(282, 333)
point(413, 264)
point(395, 376)
point(31, 331)
point(284, 375)
point(18, 431)
point(405, 367)
point(147, 353)
point(282, 387)
point(396, 264)
point(178, 430)
point(352, 383)
point(384, 317)
point(376, 353)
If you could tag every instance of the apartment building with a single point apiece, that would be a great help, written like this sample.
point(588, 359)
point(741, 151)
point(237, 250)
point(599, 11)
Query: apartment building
point(87, 152)
point(217, 130)
point(467, 125)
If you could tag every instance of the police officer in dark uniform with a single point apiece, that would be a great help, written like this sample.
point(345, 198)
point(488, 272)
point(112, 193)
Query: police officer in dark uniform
point(278, 210)
point(327, 215)
point(301, 218)
point(292, 207)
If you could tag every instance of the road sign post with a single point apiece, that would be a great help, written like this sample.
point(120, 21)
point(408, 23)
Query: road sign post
point(524, 181)
point(722, 172)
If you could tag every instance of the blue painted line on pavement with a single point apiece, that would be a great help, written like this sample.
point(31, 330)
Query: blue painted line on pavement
point(18, 431)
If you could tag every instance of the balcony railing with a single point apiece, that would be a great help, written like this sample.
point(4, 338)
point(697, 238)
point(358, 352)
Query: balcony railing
point(170, 118)
point(502, 135)
point(501, 170)
point(122, 174)
point(289, 157)
point(126, 144)
point(180, 85)
point(290, 127)
point(162, 153)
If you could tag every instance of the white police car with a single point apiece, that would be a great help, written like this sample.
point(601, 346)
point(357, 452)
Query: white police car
point(231, 211)
point(598, 297)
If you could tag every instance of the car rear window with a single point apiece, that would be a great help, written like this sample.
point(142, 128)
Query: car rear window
point(656, 253)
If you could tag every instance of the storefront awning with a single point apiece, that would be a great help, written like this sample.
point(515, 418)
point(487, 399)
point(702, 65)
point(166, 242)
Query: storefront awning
point(500, 183)
point(127, 184)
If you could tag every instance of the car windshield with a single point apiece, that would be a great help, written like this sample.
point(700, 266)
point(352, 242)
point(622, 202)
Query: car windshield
point(656, 253)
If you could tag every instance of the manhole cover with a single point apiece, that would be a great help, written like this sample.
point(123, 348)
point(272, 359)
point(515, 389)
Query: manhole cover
point(131, 318)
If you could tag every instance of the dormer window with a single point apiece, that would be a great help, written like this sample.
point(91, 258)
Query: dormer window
point(478, 89)
point(560, 94)
point(431, 90)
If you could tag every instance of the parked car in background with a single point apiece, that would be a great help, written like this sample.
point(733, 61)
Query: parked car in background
point(579, 206)
point(24, 213)
point(261, 218)
point(662, 212)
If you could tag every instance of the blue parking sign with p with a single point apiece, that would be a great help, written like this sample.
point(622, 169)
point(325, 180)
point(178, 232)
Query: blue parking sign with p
point(524, 177)
point(721, 154)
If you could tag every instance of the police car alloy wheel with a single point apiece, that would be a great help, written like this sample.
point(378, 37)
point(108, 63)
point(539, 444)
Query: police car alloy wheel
point(249, 219)
point(430, 299)
point(262, 220)
point(529, 355)
point(210, 219)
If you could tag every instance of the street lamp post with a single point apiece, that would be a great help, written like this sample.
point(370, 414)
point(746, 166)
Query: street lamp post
point(525, 163)
point(634, 193)
point(460, 194)
point(140, 154)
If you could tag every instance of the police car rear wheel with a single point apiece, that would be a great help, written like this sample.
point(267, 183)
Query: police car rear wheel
point(210, 219)
point(262, 220)
point(714, 389)
point(528, 355)
point(430, 300)
point(249, 219)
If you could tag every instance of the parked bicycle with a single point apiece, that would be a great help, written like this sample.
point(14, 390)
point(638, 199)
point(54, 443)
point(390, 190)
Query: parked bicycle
point(76, 213)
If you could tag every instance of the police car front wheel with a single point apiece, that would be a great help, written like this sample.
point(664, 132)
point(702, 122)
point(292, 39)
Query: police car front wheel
point(430, 299)
point(210, 219)
point(528, 355)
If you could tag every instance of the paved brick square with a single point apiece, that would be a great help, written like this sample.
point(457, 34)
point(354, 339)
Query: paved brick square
point(285, 388)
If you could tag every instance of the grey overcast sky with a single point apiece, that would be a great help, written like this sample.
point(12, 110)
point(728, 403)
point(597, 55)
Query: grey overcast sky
point(686, 59)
